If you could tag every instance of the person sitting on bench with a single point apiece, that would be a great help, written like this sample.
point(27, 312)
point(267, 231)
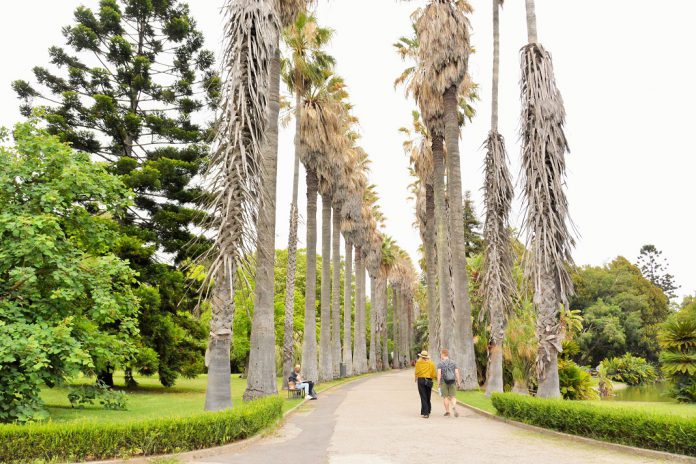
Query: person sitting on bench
point(301, 384)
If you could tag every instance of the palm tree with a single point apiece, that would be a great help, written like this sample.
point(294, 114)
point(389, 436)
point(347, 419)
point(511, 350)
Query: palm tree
point(307, 64)
point(497, 285)
point(549, 239)
point(387, 259)
point(443, 34)
point(234, 174)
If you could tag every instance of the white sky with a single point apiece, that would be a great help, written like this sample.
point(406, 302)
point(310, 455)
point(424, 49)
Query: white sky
point(623, 67)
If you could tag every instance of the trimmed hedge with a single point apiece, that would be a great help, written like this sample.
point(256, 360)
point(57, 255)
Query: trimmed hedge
point(660, 432)
point(89, 441)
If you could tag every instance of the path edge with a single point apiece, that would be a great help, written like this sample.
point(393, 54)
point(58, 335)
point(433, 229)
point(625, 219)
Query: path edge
point(235, 446)
point(648, 453)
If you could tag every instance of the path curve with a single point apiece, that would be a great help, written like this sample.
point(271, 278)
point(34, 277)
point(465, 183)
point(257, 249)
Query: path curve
point(377, 421)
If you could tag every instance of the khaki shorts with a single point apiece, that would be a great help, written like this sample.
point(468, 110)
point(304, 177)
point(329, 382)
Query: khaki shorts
point(448, 390)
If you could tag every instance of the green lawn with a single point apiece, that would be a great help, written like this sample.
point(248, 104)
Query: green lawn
point(478, 400)
point(151, 400)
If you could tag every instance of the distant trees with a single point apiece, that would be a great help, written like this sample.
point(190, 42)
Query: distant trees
point(655, 268)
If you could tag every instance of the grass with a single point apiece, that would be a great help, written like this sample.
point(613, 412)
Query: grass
point(478, 399)
point(151, 400)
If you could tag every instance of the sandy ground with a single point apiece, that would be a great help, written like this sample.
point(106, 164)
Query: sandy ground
point(377, 421)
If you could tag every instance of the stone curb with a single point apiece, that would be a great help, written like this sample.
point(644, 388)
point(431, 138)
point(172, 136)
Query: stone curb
point(191, 456)
point(579, 439)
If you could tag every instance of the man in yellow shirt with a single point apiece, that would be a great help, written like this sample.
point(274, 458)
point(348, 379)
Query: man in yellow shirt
point(425, 373)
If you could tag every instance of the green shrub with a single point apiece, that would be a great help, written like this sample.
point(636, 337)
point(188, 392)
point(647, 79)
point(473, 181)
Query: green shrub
point(660, 432)
point(576, 384)
point(87, 394)
point(87, 440)
point(629, 369)
point(677, 338)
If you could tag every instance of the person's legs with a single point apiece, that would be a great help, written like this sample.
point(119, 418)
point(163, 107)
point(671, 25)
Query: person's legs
point(304, 386)
point(422, 393)
point(312, 393)
point(428, 393)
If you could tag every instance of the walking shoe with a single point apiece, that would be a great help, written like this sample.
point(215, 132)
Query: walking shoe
point(447, 414)
point(426, 416)
point(308, 397)
point(456, 414)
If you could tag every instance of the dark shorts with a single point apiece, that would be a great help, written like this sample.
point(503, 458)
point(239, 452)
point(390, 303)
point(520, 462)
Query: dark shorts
point(448, 390)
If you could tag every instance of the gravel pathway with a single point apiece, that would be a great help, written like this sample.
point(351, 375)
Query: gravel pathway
point(377, 421)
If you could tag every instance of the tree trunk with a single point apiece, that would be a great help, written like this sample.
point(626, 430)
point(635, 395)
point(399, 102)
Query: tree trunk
point(325, 362)
point(379, 310)
point(431, 275)
point(496, 65)
point(261, 380)
point(441, 242)
point(463, 328)
point(531, 22)
point(359, 344)
point(548, 331)
point(347, 309)
point(494, 373)
point(385, 332)
point(336, 294)
point(218, 394)
point(289, 335)
point(520, 387)
point(395, 328)
point(372, 360)
point(309, 343)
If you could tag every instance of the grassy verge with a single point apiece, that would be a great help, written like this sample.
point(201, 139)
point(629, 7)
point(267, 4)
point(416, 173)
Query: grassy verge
point(477, 399)
point(626, 426)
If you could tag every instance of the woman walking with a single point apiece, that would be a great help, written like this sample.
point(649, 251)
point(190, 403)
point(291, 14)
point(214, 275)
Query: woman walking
point(425, 373)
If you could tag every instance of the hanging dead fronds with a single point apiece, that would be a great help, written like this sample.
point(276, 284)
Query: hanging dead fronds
point(233, 174)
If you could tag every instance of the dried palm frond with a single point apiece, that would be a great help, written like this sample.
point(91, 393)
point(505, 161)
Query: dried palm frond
point(547, 222)
point(497, 283)
point(234, 172)
point(289, 9)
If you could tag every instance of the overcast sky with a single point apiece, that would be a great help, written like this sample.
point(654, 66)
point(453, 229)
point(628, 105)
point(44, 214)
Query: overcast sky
point(624, 68)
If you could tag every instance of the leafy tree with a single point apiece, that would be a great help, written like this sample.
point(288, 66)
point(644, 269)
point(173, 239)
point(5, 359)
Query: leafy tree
point(66, 301)
point(655, 268)
point(473, 237)
point(128, 89)
point(621, 309)
point(629, 369)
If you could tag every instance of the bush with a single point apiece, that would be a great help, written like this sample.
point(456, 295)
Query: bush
point(89, 441)
point(678, 340)
point(629, 369)
point(660, 432)
point(576, 384)
point(86, 394)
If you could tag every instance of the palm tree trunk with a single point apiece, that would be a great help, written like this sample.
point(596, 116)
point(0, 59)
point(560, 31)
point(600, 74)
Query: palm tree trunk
point(309, 344)
point(379, 310)
point(531, 22)
point(347, 309)
point(548, 331)
point(431, 275)
point(496, 65)
point(395, 327)
point(336, 294)
point(325, 363)
point(261, 380)
point(372, 360)
point(359, 345)
point(385, 332)
point(463, 328)
point(441, 242)
point(288, 336)
point(218, 395)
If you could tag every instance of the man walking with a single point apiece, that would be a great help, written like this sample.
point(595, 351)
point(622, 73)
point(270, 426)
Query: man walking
point(425, 373)
point(448, 378)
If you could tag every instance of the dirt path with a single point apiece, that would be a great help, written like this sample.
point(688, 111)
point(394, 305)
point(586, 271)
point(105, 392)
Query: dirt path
point(377, 421)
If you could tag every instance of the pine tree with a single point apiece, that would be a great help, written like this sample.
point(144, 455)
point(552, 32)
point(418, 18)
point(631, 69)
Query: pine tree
point(655, 268)
point(130, 89)
point(472, 228)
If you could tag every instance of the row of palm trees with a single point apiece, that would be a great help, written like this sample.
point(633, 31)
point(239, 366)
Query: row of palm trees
point(439, 82)
point(242, 180)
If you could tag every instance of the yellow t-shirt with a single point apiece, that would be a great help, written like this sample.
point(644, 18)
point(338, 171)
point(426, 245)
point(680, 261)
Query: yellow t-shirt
point(425, 369)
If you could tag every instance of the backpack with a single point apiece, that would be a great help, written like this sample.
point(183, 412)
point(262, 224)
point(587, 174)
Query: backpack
point(448, 374)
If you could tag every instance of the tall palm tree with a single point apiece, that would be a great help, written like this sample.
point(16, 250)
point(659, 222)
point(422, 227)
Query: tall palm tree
point(387, 259)
point(234, 174)
point(261, 371)
point(443, 35)
point(549, 238)
point(497, 285)
point(307, 63)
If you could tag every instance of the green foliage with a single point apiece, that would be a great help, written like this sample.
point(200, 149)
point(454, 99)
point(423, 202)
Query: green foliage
point(629, 369)
point(576, 383)
point(81, 441)
point(66, 302)
point(128, 89)
point(655, 268)
point(678, 360)
point(82, 395)
point(627, 426)
point(473, 237)
point(621, 311)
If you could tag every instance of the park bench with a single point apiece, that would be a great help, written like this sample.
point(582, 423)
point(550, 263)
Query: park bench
point(294, 392)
